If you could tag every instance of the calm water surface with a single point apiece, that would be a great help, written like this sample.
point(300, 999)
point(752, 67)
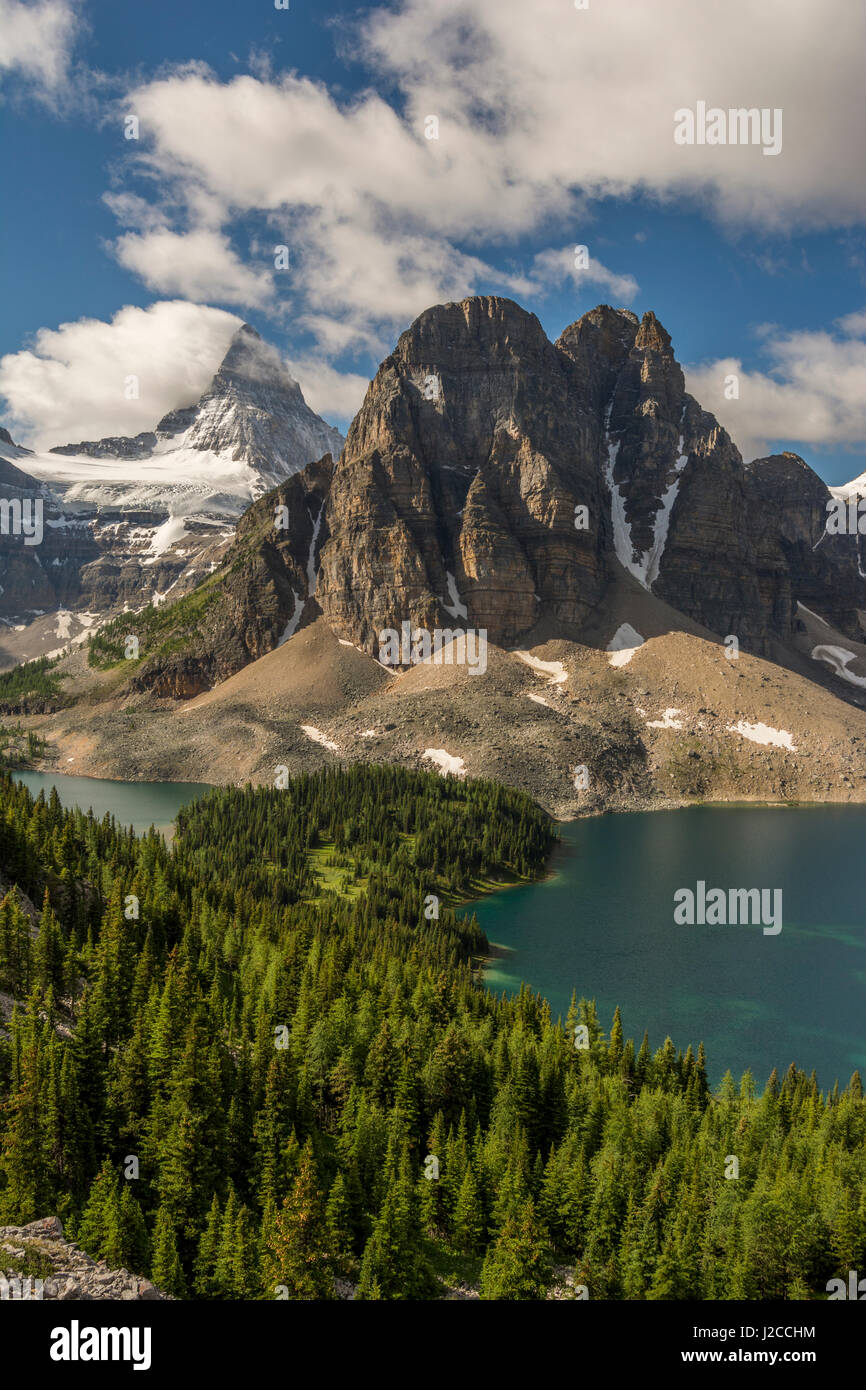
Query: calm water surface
point(139, 804)
point(603, 925)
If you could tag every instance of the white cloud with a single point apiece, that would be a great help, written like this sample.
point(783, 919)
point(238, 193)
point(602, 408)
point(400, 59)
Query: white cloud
point(331, 393)
point(199, 265)
point(36, 41)
point(813, 390)
point(553, 267)
point(853, 324)
point(370, 209)
point(541, 109)
point(560, 99)
point(71, 385)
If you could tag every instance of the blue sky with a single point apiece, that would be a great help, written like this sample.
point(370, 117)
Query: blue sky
point(306, 128)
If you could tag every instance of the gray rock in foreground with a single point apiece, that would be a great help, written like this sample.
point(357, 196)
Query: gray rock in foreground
point(74, 1277)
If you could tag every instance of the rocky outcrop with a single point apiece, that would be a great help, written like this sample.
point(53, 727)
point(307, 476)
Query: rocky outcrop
point(141, 446)
point(36, 1262)
point(815, 567)
point(265, 587)
point(457, 488)
point(495, 477)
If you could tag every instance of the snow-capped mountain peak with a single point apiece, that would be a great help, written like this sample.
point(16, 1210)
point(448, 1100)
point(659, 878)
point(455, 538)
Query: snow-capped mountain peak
point(250, 430)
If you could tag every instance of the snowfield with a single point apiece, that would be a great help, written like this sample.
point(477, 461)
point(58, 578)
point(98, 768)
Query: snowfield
point(184, 480)
point(669, 722)
point(446, 762)
point(623, 645)
point(554, 670)
point(318, 737)
point(164, 537)
point(764, 733)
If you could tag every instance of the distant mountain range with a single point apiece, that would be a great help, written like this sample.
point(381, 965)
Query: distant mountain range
point(497, 480)
point(130, 519)
point(657, 609)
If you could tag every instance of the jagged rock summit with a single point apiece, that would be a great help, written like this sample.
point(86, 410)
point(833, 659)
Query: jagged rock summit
point(494, 476)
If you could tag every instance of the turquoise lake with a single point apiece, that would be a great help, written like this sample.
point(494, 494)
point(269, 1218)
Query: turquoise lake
point(139, 804)
point(603, 924)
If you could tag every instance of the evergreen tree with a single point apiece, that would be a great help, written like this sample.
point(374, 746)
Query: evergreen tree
point(515, 1266)
point(299, 1257)
point(167, 1270)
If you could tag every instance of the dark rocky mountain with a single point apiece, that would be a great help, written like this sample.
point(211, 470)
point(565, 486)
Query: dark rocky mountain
point(483, 480)
point(458, 500)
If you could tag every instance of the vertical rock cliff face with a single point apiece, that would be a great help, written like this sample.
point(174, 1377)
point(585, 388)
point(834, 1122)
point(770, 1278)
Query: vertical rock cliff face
point(821, 570)
point(458, 494)
point(493, 479)
point(682, 513)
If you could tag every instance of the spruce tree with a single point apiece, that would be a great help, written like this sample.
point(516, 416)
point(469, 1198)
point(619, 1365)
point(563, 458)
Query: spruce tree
point(516, 1267)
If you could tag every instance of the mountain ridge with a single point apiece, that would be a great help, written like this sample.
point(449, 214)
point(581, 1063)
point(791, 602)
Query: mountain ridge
point(468, 501)
point(138, 518)
point(664, 623)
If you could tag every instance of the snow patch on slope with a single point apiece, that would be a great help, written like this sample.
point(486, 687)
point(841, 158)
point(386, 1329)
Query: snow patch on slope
point(446, 762)
point(164, 537)
point(456, 608)
point(840, 659)
point(661, 524)
point(669, 722)
point(645, 567)
point(311, 558)
point(292, 625)
point(318, 737)
point(764, 733)
point(554, 670)
point(623, 645)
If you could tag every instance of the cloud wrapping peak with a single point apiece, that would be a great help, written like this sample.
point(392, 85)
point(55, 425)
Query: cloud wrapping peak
point(73, 384)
